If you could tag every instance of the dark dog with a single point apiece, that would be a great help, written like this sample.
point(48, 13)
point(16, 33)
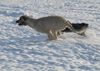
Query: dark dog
point(79, 27)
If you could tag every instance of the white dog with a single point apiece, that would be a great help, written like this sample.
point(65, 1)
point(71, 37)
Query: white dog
point(51, 25)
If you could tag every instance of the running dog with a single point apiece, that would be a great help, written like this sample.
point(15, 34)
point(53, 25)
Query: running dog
point(51, 25)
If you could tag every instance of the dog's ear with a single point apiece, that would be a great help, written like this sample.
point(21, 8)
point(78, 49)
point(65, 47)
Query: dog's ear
point(24, 17)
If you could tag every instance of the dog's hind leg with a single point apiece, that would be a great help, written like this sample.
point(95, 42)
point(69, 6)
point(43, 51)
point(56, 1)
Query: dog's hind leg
point(55, 34)
point(52, 35)
point(59, 32)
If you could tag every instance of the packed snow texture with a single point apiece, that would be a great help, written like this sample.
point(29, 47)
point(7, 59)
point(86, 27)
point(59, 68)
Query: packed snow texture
point(24, 49)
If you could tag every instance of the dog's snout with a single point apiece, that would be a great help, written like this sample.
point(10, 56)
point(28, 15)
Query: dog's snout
point(17, 21)
point(86, 25)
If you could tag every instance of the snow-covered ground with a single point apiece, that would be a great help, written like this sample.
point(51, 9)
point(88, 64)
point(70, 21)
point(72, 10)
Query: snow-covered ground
point(24, 49)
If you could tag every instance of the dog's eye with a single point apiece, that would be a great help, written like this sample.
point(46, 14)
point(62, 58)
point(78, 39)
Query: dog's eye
point(24, 18)
point(21, 19)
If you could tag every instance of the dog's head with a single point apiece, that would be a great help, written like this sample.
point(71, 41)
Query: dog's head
point(22, 20)
point(80, 25)
point(85, 24)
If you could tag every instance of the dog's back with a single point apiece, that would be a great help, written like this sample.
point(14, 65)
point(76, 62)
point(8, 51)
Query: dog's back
point(51, 23)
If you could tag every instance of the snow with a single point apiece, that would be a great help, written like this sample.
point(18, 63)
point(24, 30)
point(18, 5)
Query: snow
point(24, 49)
